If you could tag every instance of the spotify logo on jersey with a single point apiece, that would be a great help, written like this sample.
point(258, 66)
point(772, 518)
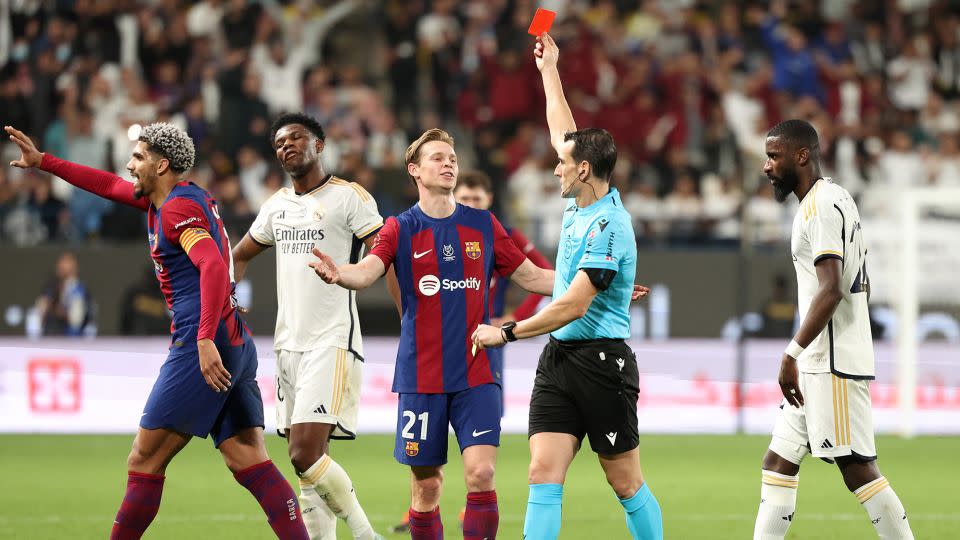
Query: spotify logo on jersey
point(429, 285)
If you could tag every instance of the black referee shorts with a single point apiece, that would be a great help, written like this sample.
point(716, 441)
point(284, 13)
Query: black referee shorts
point(588, 388)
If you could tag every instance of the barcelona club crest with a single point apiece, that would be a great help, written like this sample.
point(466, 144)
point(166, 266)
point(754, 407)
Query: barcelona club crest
point(413, 448)
point(472, 249)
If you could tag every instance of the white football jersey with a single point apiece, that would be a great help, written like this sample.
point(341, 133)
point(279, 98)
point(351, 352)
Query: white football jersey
point(335, 217)
point(827, 224)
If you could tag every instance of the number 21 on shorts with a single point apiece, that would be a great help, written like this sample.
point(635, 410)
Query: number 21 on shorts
point(410, 419)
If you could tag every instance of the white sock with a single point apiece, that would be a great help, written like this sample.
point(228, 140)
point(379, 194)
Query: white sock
point(320, 521)
point(884, 509)
point(778, 501)
point(333, 485)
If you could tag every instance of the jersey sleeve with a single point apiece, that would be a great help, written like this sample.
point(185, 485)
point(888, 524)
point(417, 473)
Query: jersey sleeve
point(824, 228)
point(184, 222)
point(363, 218)
point(506, 255)
point(93, 180)
point(262, 229)
point(605, 246)
point(530, 250)
point(386, 243)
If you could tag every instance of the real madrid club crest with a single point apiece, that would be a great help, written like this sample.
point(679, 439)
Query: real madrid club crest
point(448, 253)
point(318, 214)
point(472, 249)
point(413, 448)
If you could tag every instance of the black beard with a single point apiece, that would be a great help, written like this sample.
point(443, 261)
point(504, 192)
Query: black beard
point(783, 187)
point(137, 191)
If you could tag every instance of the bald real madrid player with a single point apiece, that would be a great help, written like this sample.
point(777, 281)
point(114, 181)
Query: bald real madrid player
point(826, 370)
point(317, 339)
point(207, 385)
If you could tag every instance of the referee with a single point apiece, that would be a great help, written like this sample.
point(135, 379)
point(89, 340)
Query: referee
point(587, 379)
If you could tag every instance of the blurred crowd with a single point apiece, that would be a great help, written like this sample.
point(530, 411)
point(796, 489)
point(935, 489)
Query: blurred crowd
point(688, 88)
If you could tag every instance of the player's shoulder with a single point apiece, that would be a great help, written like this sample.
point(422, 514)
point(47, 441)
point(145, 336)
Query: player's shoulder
point(348, 188)
point(470, 212)
point(612, 215)
point(185, 197)
point(188, 190)
point(823, 196)
point(828, 191)
point(276, 200)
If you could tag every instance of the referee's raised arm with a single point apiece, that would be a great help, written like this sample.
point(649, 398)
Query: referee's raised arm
point(559, 118)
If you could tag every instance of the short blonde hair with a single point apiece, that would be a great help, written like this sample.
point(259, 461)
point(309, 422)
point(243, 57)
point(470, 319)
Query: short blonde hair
point(412, 155)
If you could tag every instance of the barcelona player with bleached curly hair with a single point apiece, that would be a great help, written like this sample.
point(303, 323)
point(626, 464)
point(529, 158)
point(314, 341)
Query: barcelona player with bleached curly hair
point(207, 385)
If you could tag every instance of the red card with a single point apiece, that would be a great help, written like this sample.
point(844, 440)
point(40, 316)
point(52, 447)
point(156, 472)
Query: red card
point(542, 21)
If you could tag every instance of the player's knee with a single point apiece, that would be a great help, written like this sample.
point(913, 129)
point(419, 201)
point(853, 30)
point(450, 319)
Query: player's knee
point(480, 477)
point(303, 457)
point(541, 472)
point(624, 486)
point(428, 487)
point(783, 457)
point(857, 473)
point(143, 462)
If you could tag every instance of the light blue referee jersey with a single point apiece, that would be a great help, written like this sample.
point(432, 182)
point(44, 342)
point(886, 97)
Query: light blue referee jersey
point(598, 236)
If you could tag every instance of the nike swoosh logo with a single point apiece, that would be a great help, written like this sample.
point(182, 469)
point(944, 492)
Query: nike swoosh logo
point(418, 255)
point(479, 433)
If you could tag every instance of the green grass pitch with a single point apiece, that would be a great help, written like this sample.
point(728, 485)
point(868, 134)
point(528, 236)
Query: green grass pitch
point(54, 487)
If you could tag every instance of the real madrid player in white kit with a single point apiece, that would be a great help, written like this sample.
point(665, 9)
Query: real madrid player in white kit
point(317, 338)
point(826, 370)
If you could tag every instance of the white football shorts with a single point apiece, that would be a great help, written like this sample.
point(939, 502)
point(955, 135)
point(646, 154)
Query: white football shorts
point(319, 386)
point(835, 420)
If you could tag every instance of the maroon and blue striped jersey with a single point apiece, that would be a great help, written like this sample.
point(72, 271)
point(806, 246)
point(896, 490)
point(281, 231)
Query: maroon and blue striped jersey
point(185, 220)
point(187, 216)
point(444, 268)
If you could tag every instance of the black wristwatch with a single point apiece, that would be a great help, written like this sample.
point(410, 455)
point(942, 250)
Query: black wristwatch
point(507, 330)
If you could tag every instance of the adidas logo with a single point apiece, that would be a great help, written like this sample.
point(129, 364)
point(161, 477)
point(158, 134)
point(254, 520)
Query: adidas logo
point(826, 444)
point(788, 518)
point(320, 410)
point(875, 521)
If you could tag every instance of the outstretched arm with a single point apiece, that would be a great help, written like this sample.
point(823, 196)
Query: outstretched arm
point(529, 305)
point(89, 179)
point(559, 118)
point(393, 286)
point(349, 276)
point(531, 277)
point(572, 305)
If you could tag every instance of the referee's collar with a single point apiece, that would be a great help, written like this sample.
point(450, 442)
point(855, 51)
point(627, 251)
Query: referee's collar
point(611, 198)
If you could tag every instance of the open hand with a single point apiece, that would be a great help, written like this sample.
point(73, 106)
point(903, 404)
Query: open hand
point(639, 291)
point(325, 267)
point(29, 155)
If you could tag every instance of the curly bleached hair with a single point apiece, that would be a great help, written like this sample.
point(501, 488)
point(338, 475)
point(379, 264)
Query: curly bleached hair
point(170, 142)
